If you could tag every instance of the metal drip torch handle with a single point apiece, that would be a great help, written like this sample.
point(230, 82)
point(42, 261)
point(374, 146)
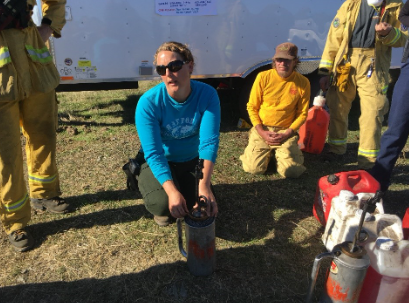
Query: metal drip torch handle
point(315, 272)
point(180, 239)
point(369, 206)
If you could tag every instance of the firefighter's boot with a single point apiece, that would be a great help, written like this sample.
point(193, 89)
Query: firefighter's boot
point(56, 205)
point(21, 240)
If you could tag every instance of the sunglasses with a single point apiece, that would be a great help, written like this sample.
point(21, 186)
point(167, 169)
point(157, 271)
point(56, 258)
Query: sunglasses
point(281, 60)
point(173, 67)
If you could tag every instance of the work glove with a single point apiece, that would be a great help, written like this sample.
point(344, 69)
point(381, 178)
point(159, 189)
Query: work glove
point(342, 75)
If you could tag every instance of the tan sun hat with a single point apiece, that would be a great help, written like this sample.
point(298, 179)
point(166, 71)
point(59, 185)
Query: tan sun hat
point(286, 50)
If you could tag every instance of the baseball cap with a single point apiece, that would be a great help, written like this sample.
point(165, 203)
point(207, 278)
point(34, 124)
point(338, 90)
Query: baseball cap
point(286, 50)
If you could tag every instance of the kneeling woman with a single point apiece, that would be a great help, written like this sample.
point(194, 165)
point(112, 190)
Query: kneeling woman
point(178, 122)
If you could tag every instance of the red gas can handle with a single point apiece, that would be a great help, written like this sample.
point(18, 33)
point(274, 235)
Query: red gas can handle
point(362, 176)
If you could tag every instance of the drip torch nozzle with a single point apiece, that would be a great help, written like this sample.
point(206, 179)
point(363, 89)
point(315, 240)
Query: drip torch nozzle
point(199, 212)
point(369, 206)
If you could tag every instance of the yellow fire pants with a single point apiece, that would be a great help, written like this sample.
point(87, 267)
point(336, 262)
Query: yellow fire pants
point(38, 123)
point(374, 105)
point(258, 154)
point(34, 112)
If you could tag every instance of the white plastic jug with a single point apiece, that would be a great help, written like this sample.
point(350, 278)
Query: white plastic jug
point(381, 225)
point(387, 279)
point(344, 217)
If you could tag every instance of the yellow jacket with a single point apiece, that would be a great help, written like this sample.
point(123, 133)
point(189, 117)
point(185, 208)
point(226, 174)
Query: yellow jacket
point(26, 65)
point(280, 102)
point(340, 33)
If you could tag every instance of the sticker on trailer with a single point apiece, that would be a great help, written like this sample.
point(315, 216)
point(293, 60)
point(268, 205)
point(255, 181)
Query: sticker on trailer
point(66, 71)
point(192, 7)
point(68, 61)
point(85, 72)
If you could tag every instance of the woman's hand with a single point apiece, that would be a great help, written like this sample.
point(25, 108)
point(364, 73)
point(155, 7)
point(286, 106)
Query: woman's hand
point(204, 188)
point(212, 208)
point(177, 203)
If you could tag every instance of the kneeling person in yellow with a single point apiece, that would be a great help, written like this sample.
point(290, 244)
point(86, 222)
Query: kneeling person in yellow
point(277, 107)
point(28, 78)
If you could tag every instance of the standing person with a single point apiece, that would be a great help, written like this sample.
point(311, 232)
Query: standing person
point(357, 58)
point(395, 137)
point(178, 122)
point(277, 107)
point(27, 100)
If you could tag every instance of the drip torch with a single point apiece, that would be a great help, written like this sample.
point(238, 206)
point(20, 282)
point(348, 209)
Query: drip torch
point(348, 266)
point(200, 234)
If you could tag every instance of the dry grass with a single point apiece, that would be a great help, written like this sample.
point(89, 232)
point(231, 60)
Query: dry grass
point(110, 250)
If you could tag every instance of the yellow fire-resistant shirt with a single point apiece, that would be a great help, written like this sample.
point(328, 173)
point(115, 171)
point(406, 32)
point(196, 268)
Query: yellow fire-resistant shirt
point(280, 102)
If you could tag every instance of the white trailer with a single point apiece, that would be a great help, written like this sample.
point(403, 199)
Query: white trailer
point(110, 43)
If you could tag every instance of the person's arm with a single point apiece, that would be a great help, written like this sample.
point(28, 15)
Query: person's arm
point(253, 108)
point(208, 148)
point(177, 203)
point(53, 18)
point(334, 40)
point(147, 117)
point(255, 100)
point(389, 33)
point(303, 104)
point(205, 188)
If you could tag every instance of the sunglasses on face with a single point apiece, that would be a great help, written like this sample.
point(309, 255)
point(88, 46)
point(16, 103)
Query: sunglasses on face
point(173, 67)
point(282, 60)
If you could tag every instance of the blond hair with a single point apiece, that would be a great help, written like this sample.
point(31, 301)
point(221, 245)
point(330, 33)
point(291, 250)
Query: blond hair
point(176, 47)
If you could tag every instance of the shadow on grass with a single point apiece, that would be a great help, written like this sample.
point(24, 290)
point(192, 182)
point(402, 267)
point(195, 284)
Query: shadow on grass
point(172, 283)
point(106, 217)
point(127, 113)
point(114, 195)
point(246, 211)
point(255, 273)
point(41, 231)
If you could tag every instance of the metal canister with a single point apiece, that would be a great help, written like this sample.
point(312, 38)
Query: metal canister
point(201, 247)
point(346, 275)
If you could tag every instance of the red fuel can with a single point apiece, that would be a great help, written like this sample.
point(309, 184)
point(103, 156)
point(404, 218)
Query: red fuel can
point(405, 225)
point(313, 132)
point(358, 181)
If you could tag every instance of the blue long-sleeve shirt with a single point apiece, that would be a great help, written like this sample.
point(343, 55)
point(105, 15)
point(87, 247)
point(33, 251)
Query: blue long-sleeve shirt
point(178, 132)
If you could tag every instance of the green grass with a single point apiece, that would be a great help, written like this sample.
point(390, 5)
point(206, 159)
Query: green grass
point(110, 249)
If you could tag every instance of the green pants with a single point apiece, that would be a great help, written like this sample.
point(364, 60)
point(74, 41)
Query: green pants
point(155, 197)
point(258, 154)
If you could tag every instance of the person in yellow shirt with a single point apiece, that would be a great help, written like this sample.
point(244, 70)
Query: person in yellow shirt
point(277, 107)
